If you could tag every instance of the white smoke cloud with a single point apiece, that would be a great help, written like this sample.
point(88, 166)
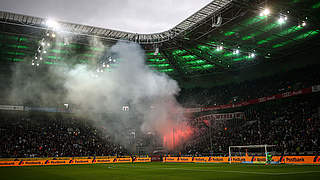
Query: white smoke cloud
point(131, 82)
point(101, 98)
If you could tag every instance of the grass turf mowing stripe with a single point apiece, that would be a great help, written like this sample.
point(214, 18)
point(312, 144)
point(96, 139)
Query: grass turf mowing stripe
point(224, 171)
point(161, 171)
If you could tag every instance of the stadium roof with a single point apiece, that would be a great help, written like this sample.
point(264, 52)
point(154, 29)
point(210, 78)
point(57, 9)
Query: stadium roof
point(143, 16)
point(223, 36)
point(187, 24)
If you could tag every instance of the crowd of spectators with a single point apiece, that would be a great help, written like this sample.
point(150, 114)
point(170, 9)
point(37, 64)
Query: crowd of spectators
point(291, 124)
point(48, 137)
point(236, 92)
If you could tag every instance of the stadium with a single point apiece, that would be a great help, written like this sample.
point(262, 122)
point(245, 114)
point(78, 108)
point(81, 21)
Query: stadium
point(208, 89)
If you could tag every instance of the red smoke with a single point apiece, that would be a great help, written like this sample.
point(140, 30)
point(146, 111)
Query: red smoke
point(168, 119)
point(176, 136)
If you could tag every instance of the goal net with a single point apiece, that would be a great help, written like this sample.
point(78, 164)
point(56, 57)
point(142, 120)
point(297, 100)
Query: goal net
point(259, 154)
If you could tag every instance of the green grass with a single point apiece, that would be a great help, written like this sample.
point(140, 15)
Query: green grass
point(164, 171)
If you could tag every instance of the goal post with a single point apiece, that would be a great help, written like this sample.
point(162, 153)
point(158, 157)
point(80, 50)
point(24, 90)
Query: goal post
point(263, 152)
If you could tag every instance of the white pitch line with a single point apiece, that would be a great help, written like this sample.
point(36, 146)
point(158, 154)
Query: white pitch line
point(241, 172)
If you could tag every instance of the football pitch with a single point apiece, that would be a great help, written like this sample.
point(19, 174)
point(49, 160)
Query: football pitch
point(164, 171)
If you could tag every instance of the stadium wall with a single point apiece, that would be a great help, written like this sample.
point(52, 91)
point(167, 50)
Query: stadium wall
point(47, 162)
point(251, 159)
point(314, 160)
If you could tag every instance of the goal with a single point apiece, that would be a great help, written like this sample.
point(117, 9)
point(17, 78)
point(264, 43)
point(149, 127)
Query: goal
point(250, 153)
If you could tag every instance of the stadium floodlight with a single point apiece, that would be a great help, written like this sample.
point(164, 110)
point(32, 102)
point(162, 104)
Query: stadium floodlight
point(219, 48)
point(265, 12)
point(108, 65)
point(51, 23)
point(252, 55)
point(44, 51)
point(156, 52)
point(282, 19)
point(236, 51)
point(302, 24)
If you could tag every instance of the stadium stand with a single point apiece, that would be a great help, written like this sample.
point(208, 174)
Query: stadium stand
point(291, 124)
point(230, 93)
point(45, 136)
